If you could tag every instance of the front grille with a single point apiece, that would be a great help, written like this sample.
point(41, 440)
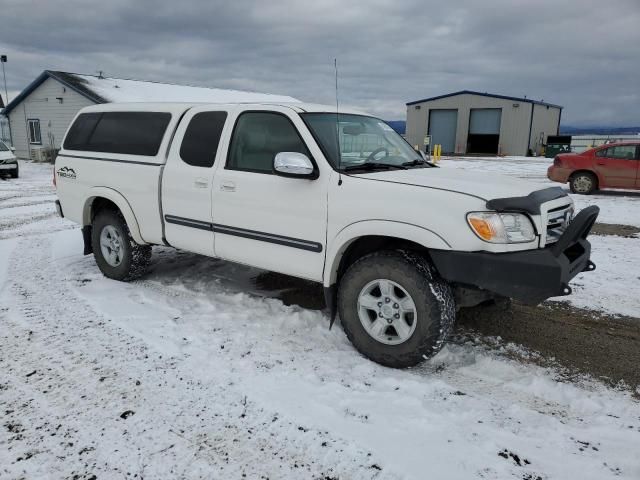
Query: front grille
point(558, 220)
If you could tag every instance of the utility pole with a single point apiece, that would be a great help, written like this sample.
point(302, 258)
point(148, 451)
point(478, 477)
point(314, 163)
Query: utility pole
point(3, 60)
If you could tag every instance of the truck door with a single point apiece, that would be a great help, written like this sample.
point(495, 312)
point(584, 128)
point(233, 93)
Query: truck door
point(618, 165)
point(187, 180)
point(263, 219)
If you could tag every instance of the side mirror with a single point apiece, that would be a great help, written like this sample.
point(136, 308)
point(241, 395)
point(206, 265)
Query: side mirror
point(13, 149)
point(293, 164)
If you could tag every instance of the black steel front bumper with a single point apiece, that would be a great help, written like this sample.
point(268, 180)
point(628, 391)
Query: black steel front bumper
point(530, 276)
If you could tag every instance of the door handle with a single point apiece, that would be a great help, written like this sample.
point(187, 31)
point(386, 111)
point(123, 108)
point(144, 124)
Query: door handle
point(228, 187)
point(600, 163)
point(201, 183)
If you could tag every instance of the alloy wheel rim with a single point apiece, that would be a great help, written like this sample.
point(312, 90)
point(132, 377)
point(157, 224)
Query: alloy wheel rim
point(111, 245)
point(387, 312)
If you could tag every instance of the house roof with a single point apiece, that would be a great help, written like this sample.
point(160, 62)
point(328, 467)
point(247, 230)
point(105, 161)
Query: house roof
point(107, 89)
point(481, 94)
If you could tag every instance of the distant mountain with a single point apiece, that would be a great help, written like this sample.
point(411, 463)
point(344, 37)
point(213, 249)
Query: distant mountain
point(399, 126)
point(569, 130)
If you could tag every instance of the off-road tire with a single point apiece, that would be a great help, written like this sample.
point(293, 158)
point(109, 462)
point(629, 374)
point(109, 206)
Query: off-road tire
point(136, 257)
point(433, 298)
point(582, 176)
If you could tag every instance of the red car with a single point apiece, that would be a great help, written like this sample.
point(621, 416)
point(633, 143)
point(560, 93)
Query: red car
point(615, 165)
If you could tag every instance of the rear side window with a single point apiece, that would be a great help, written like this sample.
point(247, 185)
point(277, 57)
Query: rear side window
point(622, 152)
point(258, 137)
point(129, 133)
point(201, 139)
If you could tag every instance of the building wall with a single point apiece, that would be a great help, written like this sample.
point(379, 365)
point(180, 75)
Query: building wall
point(514, 127)
point(54, 115)
point(545, 123)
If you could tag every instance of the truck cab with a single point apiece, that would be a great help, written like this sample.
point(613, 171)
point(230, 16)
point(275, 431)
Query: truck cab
point(336, 198)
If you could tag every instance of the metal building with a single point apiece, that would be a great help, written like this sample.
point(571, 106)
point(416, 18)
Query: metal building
point(469, 122)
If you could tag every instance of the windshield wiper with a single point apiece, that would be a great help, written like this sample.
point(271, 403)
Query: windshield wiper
point(417, 162)
point(373, 166)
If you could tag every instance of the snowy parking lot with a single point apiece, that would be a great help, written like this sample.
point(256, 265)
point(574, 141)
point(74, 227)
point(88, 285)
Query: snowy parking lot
point(200, 370)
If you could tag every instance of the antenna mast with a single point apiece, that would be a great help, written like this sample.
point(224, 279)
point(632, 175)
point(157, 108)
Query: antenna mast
point(335, 66)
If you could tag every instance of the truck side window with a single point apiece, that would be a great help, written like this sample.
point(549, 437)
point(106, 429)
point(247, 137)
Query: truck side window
point(258, 137)
point(129, 133)
point(201, 139)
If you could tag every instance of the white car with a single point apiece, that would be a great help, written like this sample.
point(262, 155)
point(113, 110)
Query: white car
point(341, 199)
point(8, 161)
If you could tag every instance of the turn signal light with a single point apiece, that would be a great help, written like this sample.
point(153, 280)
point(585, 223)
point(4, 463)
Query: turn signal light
point(482, 228)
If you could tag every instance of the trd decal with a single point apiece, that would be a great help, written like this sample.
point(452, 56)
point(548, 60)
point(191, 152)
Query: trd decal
point(66, 172)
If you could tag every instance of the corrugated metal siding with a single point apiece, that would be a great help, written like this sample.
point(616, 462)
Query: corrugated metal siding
point(54, 115)
point(545, 123)
point(514, 128)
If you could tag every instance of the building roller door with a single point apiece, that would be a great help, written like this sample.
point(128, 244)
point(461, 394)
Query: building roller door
point(442, 128)
point(484, 130)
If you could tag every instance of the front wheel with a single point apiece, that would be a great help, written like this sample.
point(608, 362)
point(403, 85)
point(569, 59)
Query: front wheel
point(394, 308)
point(118, 256)
point(583, 183)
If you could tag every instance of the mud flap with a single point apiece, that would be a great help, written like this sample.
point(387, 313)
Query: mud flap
point(86, 237)
point(331, 303)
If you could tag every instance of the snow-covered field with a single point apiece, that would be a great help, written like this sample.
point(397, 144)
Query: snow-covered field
point(195, 372)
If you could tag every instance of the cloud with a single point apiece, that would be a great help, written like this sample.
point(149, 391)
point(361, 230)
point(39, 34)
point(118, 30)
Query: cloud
point(581, 54)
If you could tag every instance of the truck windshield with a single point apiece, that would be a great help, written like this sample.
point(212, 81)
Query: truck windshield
point(364, 142)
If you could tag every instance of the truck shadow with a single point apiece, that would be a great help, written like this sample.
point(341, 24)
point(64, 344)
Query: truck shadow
point(580, 341)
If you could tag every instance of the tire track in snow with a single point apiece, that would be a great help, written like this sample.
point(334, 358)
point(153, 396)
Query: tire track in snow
point(86, 375)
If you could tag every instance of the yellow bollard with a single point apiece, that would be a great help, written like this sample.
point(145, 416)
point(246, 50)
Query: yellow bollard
point(437, 152)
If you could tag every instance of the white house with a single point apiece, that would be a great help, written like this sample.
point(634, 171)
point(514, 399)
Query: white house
point(40, 114)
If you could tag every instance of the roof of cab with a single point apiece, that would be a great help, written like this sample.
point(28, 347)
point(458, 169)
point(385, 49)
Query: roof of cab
point(299, 107)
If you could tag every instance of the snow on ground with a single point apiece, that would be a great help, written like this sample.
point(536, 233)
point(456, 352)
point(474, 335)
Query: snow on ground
point(216, 382)
point(620, 207)
point(194, 372)
point(615, 285)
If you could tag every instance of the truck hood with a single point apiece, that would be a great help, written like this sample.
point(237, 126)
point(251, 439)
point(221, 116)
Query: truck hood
point(478, 184)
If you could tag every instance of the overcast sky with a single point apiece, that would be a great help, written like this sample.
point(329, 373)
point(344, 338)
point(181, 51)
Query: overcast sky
point(582, 54)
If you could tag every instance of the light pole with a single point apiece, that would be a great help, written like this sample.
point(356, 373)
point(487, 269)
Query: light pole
point(3, 60)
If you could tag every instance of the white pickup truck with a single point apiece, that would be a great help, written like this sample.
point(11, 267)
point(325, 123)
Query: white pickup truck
point(398, 243)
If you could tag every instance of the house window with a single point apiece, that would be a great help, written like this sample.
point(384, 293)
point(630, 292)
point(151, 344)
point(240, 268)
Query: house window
point(34, 132)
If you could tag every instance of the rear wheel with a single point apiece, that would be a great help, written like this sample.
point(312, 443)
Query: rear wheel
point(394, 308)
point(118, 256)
point(583, 183)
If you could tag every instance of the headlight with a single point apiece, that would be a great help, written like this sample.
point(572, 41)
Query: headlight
point(501, 227)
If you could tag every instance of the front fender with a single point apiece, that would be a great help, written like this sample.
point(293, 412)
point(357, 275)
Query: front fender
point(121, 203)
point(382, 228)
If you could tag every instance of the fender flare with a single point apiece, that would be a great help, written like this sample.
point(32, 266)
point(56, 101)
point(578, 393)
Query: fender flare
point(122, 204)
point(382, 228)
